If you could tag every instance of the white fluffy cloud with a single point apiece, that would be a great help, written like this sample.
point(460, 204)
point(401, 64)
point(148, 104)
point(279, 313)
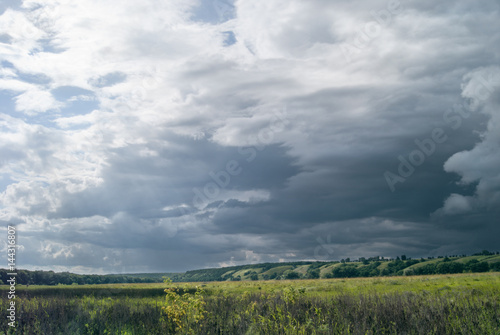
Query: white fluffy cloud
point(481, 164)
point(35, 101)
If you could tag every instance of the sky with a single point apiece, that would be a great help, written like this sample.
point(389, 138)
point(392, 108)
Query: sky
point(164, 136)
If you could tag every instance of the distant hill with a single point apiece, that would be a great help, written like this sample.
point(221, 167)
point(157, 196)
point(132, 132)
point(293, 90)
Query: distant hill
point(363, 267)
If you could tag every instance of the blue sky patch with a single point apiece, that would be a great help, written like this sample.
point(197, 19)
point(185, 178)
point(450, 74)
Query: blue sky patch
point(7, 105)
point(64, 93)
point(80, 106)
point(48, 46)
point(5, 4)
point(5, 38)
point(109, 80)
point(38, 79)
point(230, 38)
point(214, 11)
point(5, 180)
point(78, 101)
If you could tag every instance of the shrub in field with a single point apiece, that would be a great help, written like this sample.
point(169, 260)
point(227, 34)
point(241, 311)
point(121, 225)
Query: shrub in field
point(184, 310)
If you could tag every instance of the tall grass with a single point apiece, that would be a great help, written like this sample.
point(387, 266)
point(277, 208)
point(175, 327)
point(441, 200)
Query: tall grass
point(459, 304)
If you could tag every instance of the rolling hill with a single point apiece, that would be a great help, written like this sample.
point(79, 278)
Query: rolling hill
point(371, 267)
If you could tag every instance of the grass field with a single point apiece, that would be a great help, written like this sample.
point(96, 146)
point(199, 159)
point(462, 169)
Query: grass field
point(439, 304)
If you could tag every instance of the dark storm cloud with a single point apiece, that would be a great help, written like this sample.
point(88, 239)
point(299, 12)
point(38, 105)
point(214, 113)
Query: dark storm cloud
point(276, 146)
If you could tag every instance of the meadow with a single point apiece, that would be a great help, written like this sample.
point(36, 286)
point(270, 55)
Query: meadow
point(437, 304)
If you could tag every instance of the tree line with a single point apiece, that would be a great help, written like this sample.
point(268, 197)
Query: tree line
point(400, 268)
point(39, 277)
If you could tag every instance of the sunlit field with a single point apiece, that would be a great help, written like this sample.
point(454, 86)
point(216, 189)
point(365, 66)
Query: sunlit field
point(441, 304)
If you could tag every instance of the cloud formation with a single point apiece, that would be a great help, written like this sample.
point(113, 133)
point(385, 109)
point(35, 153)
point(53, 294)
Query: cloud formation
point(139, 136)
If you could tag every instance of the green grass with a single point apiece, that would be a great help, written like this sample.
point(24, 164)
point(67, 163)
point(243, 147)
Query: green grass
point(277, 270)
point(437, 304)
point(327, 269)
point(329, 287)
point(416, 284)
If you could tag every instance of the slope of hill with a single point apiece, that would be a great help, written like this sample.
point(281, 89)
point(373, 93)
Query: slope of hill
point(371, 267)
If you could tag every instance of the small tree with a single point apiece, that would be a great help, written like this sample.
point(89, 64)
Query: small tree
point(292, 275)
point(184, 310)
point(313, 274)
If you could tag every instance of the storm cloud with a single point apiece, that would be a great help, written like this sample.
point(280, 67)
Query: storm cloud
point(145, 136)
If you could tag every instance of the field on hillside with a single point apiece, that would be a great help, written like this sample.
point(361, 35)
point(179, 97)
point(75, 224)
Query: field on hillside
point(439, 304)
